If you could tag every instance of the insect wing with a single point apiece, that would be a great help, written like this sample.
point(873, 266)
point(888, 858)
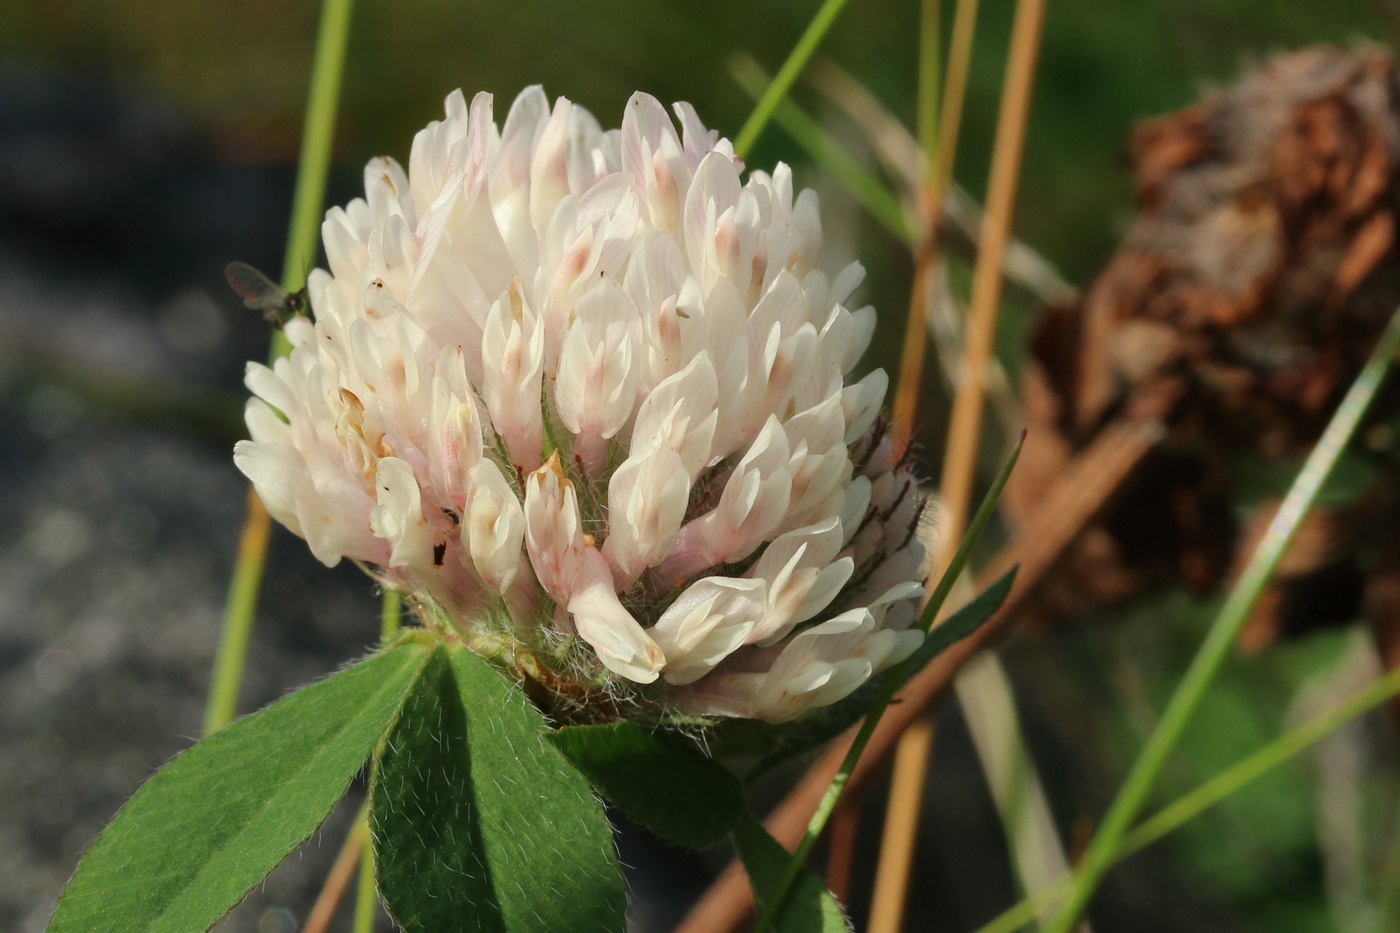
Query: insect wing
point(258, 292)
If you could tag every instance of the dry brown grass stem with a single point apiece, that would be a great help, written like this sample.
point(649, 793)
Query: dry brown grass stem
point(964, 431)
point(347, 863)
point(900, 836)
point(841, 846)
point(936, 176)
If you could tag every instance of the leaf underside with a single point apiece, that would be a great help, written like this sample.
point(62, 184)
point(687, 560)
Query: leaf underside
point(659, 779)
point(809, 907)
point(201, 833)
point(479, 823)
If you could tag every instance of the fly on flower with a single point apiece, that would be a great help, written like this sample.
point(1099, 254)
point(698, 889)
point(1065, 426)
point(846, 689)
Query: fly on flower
point(260, 293)
point(586, 398)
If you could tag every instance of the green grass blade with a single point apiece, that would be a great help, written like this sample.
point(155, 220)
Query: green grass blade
point(1218, 788)
point(796, 61)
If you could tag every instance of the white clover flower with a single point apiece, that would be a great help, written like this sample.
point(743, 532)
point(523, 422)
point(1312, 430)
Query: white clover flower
point(582, 396)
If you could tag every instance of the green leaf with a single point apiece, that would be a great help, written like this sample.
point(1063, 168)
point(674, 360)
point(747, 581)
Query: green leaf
point(481, 824)
point(659, 779)
point(809, 907)
point(825, 724)
point(213, 822)
point(964, 622)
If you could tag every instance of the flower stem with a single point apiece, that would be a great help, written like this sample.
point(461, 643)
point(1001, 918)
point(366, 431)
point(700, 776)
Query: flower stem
point(307, 203)
point(797, 60)
point(1213, 791)
point(366, 898)
point(1109, 839)
point(390, 615)
point(893, 679)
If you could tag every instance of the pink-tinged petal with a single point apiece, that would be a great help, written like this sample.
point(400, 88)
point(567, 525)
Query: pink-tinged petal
point(900, 594)
point(454, 430)
point(510, 177)
point(861, 403)
point(803, 576)
point(709, 621)
point(493, 528)
point(647, 497)
point(595, 392)
point(430, 162)
point(819, 463)
point(549, 168)
point(553, 530)
point(398, 516)
point(387, 191)
point(828, 662)
point(326, 508)
point(845, 283)
point(682, 412)
point(652, 155)
point(277, 473)
point(513, 350)
point(751, 508)
point(621, 643)
point(714, 191)
point(697, 141)
point(725, 340)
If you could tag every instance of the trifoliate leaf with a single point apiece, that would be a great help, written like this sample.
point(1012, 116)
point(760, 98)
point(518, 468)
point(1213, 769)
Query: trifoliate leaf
point(659, 779)
point(479, 823)
point(198, 836)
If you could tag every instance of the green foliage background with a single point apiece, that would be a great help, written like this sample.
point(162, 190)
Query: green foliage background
point(241, 69)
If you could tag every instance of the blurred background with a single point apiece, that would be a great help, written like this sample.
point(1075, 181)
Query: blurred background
point(144, 144)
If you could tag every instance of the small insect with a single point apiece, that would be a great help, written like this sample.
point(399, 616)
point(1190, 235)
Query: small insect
point(259, 293)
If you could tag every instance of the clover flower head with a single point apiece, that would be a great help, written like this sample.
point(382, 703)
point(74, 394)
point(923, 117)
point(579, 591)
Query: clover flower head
point(582, 395)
